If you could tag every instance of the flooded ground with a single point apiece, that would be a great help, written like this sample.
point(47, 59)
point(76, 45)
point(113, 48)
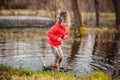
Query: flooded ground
point(86, 54)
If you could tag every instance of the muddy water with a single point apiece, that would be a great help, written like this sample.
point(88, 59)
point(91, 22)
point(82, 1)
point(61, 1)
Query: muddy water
point(25, 48)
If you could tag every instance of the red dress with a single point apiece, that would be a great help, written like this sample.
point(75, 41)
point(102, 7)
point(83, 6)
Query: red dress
point(57, 31)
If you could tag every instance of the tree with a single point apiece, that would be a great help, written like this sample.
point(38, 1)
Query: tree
point(77, 13)
point(116, 4)
point(97, 10)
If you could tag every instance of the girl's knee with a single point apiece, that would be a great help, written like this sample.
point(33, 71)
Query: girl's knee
point(61, 57)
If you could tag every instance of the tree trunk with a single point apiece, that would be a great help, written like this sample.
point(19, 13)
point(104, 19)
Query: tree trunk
point(77, 13)
point(97, 10)
point(116, 4)
point(3, 4)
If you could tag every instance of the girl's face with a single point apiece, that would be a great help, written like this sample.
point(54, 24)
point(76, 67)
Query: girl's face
point(64, 23)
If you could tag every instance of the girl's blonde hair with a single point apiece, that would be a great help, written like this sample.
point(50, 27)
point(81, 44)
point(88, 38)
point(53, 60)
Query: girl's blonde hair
point(63, 15)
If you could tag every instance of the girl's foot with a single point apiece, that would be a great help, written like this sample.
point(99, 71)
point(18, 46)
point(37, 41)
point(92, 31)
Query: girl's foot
point(56, 66)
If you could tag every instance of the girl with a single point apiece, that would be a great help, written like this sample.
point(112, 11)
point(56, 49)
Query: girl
point(56, 34)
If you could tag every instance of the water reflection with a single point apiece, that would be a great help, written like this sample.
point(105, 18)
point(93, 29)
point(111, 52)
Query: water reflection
point(84, 54)
point(106, 51)
point(74, 50)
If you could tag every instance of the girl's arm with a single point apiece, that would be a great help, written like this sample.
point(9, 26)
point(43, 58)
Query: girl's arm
point(51, 33)
point(66, 32)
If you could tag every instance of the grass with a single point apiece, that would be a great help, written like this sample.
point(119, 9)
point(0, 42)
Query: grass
point(103, 16)
point(26, 12)
point(104, 33)
point(99, 76)
point(9, 73)
point(97, 30)
point(19, 34)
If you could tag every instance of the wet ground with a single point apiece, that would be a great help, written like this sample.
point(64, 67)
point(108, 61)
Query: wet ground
point(84, 56)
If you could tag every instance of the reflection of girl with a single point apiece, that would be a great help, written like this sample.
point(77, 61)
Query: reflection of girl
point(56, 34)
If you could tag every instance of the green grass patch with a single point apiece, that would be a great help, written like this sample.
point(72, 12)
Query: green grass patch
point(8, 73)
point(99, 76)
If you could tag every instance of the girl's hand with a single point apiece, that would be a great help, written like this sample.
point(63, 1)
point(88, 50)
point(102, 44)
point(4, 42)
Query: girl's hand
point(65, 37)
point(59, 39)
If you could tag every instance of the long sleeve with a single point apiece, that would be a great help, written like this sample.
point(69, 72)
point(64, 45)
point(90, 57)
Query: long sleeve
point(51, 33)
